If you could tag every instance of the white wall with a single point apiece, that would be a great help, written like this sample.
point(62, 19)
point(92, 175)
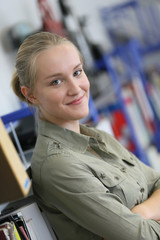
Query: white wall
point(12, 12)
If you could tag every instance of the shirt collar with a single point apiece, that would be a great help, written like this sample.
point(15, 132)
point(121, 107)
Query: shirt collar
point(72, 139)
point(80, 142)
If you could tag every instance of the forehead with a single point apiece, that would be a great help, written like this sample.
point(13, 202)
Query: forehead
point(59, 58)
point(59, 51)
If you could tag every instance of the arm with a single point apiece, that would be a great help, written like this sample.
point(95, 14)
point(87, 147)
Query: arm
point(149, 209)
point(90, 204)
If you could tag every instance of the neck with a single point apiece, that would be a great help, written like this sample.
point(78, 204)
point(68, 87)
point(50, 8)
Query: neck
point(73, 126)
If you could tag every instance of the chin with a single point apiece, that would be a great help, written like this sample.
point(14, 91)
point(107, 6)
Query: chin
point(83, 114)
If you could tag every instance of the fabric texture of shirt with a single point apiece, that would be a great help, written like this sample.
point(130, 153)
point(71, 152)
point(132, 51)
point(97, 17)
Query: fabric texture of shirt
point(87, 183)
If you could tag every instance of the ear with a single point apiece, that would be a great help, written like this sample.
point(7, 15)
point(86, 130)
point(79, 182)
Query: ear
point(28, 95)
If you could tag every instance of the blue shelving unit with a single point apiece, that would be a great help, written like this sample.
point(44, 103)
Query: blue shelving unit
point(135, 18)
point(16, 115)
point(131, 51)
point(109, 65)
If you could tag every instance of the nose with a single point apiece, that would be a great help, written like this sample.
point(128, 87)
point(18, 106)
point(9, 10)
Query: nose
point(73, 87)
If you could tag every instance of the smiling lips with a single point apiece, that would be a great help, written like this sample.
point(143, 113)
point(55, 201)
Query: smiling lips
point(76, 101)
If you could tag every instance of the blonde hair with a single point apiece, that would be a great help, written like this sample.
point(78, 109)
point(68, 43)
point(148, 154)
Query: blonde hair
point(25, 72)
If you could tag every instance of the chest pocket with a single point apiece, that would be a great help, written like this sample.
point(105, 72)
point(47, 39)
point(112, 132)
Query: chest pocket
point(114, 183)
point(111, 181)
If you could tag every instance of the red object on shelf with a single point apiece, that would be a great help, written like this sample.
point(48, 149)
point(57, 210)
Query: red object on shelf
point(120, 130)
point(50, 24)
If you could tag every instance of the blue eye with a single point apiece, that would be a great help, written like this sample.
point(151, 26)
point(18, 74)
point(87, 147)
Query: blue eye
point(77, 73)
point(56, 82)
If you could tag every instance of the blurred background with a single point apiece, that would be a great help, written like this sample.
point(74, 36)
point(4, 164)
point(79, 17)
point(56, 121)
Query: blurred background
point(120, 42)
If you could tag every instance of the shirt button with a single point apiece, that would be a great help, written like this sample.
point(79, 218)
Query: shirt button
point(137, 202)
point(116, 178)
point(59, 145)
point(123, 169)
point(100, 138)
point(142, 190)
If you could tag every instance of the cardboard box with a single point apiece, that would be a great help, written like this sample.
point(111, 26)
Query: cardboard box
point(14, 181)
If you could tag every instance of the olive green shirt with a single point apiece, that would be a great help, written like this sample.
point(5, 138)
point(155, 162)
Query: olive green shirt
point(87, 183)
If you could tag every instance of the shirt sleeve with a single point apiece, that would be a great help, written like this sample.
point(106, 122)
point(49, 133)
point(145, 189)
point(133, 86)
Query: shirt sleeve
point(82, 197)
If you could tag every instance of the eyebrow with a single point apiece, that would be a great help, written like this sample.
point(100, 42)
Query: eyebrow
point(59, 74)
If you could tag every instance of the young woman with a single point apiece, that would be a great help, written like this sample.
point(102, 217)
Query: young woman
point(88, 185)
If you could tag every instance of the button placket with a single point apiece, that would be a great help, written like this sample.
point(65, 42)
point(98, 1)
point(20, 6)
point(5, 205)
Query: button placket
point(142, 191)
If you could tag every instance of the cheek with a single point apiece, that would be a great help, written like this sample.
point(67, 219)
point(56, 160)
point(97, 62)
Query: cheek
point(86, 84)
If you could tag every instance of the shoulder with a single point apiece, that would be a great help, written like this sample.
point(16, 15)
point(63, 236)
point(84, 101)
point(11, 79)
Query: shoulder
point(112, 145)
point(53, 154)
